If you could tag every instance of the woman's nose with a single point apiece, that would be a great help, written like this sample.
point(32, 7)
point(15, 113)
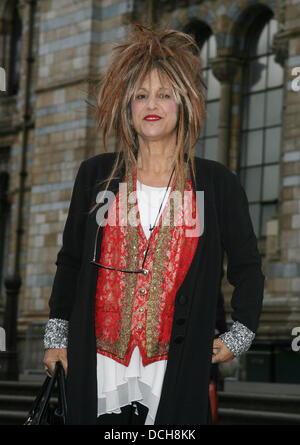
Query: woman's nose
point(152, 101)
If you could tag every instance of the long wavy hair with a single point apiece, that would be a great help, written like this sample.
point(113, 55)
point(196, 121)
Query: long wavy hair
point(176, 57)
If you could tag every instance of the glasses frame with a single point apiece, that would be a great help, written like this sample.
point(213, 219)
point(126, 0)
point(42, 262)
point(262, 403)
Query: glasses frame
point(142, 270)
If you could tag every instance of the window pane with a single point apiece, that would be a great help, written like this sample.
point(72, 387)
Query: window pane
point(268, 212)
point(256, 110)
point(274, 107)
point(262, 45)
point(212, 118)
point(212, 47)
point(243, 150)
point(273, 28)
point(254, 210)
point(204, 54)
point(242, 176)
point(213, 87)
point(252, 183)
point(272, 144)
point(205, 78)
point(245, 113)
point(275, 73)
point(271, 182)
point(199, 149)
point(257, 74)
point(254, 150)
point(211, 149)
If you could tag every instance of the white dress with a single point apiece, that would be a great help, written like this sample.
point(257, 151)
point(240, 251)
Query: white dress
point(119, 385)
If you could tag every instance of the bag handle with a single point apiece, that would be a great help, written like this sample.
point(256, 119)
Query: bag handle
point(61, 384)
point(41, 402)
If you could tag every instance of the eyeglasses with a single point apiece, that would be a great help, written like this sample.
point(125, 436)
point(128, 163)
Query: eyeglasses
point(142, 270)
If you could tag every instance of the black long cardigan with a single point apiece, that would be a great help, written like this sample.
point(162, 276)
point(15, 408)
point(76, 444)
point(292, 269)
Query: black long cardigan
point(227, 228)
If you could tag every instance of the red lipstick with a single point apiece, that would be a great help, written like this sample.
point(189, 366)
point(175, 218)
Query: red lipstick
point(152, 117)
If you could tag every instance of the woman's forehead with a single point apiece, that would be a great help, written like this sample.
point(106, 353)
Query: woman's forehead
point(155, 76)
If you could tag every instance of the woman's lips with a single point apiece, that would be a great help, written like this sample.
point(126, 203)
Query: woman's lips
point(152, 118)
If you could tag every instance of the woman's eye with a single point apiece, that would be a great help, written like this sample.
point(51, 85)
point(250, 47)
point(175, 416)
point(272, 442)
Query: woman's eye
point(162, 96)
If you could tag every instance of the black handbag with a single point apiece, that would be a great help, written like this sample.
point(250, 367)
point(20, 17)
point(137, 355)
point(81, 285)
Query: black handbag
point(44, 411)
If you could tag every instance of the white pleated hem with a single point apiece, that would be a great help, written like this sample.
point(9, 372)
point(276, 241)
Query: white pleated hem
point(132, 391)
point(119, 385)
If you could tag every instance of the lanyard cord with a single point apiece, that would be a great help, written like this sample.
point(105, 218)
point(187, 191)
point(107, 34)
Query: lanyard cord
point(152, 228)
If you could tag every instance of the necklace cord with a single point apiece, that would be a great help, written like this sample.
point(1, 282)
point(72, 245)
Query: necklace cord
point(152, 228)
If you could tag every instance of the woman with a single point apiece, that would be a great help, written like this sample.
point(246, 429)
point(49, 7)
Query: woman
point(133, 304)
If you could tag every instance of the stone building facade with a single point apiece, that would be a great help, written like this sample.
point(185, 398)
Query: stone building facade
point(50, 50)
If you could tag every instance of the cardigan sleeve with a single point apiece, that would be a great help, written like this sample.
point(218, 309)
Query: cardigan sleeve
point(68, 260)
point(243, 259)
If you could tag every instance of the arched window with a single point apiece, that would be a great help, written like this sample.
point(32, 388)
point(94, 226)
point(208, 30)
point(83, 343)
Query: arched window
point(207, 145)
point(261, 124)
point(10, 45)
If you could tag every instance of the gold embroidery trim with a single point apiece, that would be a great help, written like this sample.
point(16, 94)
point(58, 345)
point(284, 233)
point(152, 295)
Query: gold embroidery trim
point(153, 346)
point(119, 347)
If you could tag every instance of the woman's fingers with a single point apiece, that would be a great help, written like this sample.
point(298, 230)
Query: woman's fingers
point(52, 356)
point(220, 352)
point(64, 362)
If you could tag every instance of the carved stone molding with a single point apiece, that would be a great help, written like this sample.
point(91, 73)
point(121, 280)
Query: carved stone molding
point(225, 67)
point(280, 46)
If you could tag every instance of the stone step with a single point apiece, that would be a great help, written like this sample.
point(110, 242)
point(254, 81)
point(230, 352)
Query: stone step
point(260, 402)
point(25, 388)
point(10, 417)
point(232, 416)
point(16, 400)
point(261, 387)
point(18, 403)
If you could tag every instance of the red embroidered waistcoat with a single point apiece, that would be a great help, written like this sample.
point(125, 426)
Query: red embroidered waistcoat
point(135, 309)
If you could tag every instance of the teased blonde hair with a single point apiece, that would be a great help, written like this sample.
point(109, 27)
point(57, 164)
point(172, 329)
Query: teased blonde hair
point(175, 55)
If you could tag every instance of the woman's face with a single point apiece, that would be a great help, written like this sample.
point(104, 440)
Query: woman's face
point(156, 100)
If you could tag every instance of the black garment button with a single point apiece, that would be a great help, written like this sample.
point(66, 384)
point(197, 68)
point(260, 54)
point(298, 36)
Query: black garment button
point(180, 321)
point(179, 339)
point(182, 299)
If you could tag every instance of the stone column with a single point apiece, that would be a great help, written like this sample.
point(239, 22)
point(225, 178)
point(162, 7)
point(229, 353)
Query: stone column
point(224, 69)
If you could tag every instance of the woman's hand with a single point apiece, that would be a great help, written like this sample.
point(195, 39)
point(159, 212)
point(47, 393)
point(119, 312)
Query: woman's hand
point(55, 355)
point(220, 352)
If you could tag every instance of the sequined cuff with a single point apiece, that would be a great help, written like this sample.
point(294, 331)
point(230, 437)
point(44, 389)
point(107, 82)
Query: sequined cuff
point(56, 333)
point(238, 339)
